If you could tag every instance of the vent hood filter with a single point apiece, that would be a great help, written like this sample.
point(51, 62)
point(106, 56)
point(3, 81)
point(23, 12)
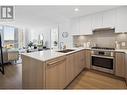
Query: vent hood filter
point(104, 29)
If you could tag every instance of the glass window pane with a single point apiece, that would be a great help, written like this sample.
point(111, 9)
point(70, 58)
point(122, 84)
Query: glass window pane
point(8, 33)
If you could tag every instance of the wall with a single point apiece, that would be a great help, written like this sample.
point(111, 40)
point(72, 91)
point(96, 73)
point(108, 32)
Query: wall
point(32, 28)
point(65, 27)
point(102, 39)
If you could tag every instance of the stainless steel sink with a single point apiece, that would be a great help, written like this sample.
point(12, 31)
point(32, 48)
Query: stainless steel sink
point(66, 50)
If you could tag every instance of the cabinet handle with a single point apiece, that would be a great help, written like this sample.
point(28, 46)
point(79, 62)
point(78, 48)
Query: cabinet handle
point(55, 62)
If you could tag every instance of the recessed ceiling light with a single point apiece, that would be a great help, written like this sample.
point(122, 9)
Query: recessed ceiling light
point(76, 9)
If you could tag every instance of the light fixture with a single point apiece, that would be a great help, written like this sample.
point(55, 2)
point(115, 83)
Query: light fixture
point(76, 9)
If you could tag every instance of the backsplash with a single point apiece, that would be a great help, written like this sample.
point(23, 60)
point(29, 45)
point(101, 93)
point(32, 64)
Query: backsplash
point(102, 39)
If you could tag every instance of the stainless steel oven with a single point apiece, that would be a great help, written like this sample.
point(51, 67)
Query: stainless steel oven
point(103, 61)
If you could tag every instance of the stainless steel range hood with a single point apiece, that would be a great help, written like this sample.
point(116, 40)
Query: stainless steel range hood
point(104, 29)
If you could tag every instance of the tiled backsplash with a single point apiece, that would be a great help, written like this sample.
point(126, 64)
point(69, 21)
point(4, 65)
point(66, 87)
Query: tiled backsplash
point(102, 39)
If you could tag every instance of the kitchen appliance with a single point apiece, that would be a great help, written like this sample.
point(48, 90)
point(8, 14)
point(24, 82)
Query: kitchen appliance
point(104, 29)
point(103, 59)
point(1, 57)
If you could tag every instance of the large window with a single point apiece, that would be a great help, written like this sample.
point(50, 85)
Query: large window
point(8, 33)
point(54, 38)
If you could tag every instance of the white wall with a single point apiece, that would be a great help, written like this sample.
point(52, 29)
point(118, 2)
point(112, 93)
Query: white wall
point(32, 29)
point(65, 27)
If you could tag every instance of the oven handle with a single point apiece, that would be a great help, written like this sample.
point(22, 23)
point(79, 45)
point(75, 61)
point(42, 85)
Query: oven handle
point(108, 57)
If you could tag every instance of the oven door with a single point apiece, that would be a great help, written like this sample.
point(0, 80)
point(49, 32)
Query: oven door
point(103, 63)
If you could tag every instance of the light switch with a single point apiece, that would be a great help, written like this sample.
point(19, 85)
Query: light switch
point(123, 44)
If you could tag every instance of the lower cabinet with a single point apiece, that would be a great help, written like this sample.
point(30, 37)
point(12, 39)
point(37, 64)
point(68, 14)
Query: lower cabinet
point(88, 58)
point(61, 71)
point(120, 64)
point(33, 73)
point(79, 62)
point(82, 60)
point(55, 73)
point(126, 67)
point(70, 68)
point(75, 64)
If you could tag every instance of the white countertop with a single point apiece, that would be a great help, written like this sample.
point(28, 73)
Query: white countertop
point(44, 55)
point(51, 54)
point(121, 50)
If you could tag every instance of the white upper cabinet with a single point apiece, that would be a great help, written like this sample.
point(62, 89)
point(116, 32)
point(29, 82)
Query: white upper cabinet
point(109, 18)
point(115, 18)
point(75, 26)
point(104, 19)
point(97, 20)
point(121, 20)
point(85, 25)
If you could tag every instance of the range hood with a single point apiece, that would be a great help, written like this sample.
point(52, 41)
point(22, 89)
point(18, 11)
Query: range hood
point(104, 29)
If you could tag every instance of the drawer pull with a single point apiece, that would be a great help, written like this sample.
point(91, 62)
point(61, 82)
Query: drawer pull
point(55, 62)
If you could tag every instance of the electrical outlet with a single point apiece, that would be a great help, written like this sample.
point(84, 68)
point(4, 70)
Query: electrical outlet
point(123, 44)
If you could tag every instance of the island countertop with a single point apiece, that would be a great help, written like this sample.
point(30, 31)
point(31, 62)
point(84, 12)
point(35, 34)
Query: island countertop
point(49, 54)
point(44, 55)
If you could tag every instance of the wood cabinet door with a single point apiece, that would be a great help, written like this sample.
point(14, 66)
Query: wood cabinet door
point(126, 67)
point(62, 74)
point(52, 77)
point(77, 63)
point(55, 74)
point(82, 60)
point(32, 78)
point(69, 68)
point(88, 58)
point(120, 64)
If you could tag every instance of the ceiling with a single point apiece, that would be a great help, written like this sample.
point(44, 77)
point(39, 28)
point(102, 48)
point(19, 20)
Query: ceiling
point(55, 14)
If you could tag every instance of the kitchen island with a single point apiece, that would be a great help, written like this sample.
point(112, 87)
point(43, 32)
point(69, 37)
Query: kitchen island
point(51, 69)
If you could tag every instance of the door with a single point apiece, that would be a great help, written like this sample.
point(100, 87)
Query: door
point(126, 67)
point(102, 62)
point(82, 60)
point(109, 18)
point(77, 63)
point(97, 20)
point(88, 58)
point(120, 65)
point(75, 30)
point(121, 20)
point(70, 68)
point(86, 25)
point(55, 74)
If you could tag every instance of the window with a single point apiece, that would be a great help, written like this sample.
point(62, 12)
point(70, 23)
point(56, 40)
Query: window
point(8, 33)
point(1, 28)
